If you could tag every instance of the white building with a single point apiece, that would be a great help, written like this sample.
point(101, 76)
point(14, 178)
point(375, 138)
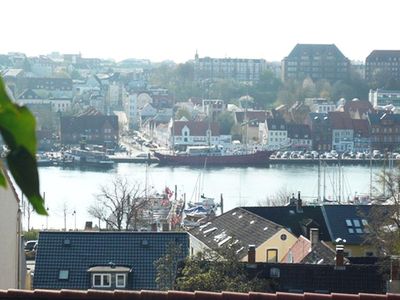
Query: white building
point(320, 105)
point(187, 133)
point(57, 104)
point(382, 98)
point(275, 134)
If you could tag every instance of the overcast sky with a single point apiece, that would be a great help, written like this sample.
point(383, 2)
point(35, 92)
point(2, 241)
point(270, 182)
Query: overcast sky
point(175, 29)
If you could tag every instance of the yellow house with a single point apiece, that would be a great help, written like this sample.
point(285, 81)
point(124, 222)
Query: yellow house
point(240, 229)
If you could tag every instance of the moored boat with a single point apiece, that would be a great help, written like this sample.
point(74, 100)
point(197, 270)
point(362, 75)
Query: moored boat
point(85, 157)
point(214, 156)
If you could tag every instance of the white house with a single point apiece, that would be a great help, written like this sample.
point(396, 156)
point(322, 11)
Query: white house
point(342, 131)
point(276, 135)
point(57, 104)
point(184, 133)
point(12, 259)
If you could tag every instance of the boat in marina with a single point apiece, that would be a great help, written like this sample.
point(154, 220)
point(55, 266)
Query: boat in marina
point(86, 157)
point(215, 156)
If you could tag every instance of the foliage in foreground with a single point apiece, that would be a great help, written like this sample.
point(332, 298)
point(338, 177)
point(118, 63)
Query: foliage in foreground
point(17, 128)
point(222, 271)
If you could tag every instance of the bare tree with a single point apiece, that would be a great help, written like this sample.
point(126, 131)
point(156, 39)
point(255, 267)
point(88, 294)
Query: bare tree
point(280, 198)
point(384, 218)
point(120, 205)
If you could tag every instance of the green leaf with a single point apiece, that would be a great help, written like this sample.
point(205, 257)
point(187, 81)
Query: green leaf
point(17, 124)
point(17, 127)
point(3, 181)
point(23, 168)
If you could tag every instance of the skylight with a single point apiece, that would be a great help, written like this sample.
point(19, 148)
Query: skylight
point(224, 241)
point(210, 230)
point(354, 226)
point(239, 250)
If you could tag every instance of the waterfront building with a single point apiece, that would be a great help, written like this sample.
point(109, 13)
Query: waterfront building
point(315, 61)
point(299, 136)
point(321, 131)
point(91, 126)
point(276, 134)
point(362, 136)
point(385, 131)
point(342, 131)
point(382, 98)
point(185, 133)
point(382, 63)
point(239, 69)
point(252, 124)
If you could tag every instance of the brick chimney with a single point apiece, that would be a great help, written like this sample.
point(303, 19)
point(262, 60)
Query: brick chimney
point(251, 254)
point(314, 237)
point(339, 257)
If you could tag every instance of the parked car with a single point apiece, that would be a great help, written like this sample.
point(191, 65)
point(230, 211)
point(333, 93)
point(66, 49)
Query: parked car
point(30, 249)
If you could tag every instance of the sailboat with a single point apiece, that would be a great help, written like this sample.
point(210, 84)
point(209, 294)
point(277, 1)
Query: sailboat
point(202, 208)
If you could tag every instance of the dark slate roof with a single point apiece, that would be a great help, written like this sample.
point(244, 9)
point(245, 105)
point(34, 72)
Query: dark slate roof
point(80, 124)
point(239, 224)
point(88, 249)
point(299, 223)
point(383, 54)
point(377, 118)
point(336, 219)
point(315, 49)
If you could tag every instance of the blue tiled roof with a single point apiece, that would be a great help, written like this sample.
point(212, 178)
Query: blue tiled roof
point(137, 250)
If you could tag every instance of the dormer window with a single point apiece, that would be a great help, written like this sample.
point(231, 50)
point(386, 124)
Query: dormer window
point(109, 277)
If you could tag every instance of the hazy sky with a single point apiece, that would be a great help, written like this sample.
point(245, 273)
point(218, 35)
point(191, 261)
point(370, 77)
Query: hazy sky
point(174, 29)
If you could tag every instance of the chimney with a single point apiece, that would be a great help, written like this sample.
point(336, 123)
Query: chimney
point(339, 257)
point(292, 200)
point(251, 254)
point(89, 225)
point(299, 206)
point(314, 237)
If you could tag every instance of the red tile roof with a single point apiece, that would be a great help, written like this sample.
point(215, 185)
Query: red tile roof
point(299, 250)
point(177, 295)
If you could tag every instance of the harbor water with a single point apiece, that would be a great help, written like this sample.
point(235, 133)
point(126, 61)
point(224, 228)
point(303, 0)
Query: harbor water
point(69, 192)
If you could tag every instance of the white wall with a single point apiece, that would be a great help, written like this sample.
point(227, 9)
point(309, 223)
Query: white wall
point(9, 245)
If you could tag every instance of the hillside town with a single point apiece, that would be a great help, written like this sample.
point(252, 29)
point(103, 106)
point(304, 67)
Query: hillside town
point(315, 104)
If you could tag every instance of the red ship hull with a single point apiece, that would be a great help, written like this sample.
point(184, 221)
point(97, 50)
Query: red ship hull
point(259, 158)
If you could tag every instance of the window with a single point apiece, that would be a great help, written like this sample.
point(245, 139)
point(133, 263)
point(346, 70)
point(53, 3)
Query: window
point(120, 280)
point(101, 280)
point(63, 275)
point(272, 255)
point(274, 273)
